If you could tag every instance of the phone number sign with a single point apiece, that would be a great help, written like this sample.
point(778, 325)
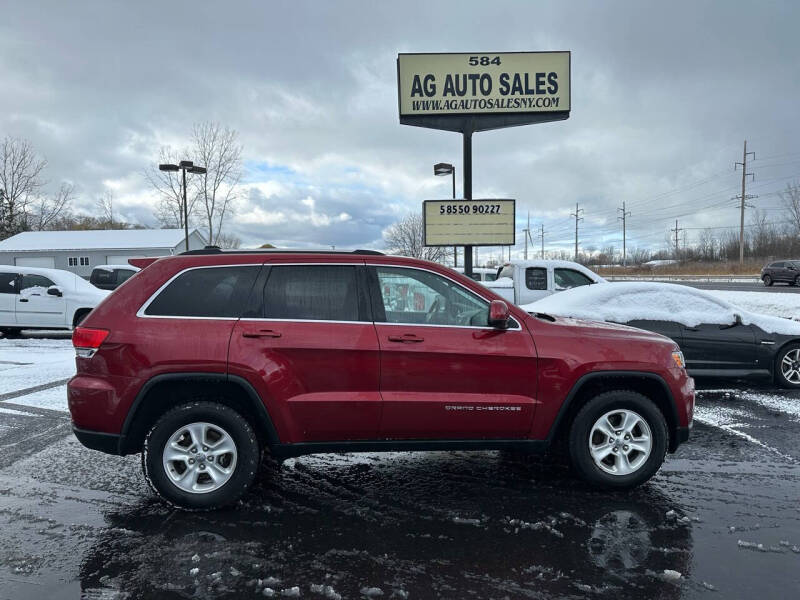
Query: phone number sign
point(469, 222)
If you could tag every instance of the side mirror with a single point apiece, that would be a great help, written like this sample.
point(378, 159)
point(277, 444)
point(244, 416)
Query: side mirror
point(54, 290)
point(737, 319)
point(498, 314)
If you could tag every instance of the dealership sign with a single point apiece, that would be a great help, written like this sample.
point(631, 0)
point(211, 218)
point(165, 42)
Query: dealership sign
point(483, 83)
point(469, 222)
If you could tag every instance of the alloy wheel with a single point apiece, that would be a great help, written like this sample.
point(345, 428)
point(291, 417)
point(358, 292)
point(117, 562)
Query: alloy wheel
point(620, 442)
point(790, 366)
point(199, 457)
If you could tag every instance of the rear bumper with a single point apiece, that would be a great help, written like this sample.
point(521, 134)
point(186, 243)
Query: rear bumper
point(110, 443)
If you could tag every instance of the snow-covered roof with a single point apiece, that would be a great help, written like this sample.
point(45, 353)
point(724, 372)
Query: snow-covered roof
point(106, 239)
point(650, 301)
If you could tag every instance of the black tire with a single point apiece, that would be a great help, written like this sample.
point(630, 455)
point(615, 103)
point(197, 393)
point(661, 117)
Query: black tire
point(244, 471)
point(780, 378)
point(767, 280)
point(591, 412)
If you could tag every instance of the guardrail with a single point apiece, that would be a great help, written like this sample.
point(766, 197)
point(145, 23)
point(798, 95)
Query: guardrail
point(707, 278)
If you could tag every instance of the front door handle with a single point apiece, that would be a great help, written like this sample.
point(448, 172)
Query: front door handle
point(406, 337)
point(23, 299)
point(266, 333)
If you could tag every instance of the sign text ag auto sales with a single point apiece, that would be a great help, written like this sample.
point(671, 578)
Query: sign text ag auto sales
point(469, 83)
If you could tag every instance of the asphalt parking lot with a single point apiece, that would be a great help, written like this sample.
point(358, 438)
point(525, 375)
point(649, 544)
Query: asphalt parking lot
point(721, 519)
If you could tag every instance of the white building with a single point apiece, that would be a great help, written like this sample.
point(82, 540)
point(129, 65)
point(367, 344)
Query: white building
point(80, 251)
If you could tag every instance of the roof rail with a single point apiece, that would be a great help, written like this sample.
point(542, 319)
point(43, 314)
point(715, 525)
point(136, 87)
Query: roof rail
point(218, 250)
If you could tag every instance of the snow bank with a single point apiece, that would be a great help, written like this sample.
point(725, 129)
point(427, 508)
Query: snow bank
point(622, 302)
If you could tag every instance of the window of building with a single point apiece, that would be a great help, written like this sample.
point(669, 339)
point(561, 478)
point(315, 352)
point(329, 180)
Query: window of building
point(205, 292)
point(72, 261)
point(84, 261)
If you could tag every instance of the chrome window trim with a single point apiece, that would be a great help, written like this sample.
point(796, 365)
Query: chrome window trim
point(517, 328)
point(141, 312)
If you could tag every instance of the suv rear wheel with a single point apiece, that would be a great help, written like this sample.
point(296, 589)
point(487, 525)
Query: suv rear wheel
point(618, 439)
point(201, 456)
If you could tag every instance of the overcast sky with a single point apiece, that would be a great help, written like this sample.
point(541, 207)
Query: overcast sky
point(663, 95)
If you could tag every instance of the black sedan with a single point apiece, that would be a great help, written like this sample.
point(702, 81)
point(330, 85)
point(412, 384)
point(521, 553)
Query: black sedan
point(716, 338)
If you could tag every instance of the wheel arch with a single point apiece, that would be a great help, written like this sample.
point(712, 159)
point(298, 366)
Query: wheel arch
point(79, 312)
point(163, 392)
point(778, 351)
point(589, 385)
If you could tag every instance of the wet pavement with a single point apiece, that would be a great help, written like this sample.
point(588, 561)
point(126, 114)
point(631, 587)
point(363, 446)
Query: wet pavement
point(722, 516)
point(721, 519)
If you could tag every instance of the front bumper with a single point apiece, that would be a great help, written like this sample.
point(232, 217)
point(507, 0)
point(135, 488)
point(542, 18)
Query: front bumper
point(110, 443)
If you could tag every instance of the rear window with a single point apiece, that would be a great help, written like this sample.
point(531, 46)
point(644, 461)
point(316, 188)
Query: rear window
point(214, 292)
point(312, 293)
point(536, 278)
point(102, 276)
point(8, 284)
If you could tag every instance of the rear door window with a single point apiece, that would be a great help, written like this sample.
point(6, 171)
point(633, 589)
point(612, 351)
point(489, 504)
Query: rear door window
point(8, 283)
point(313, 293)
point(102, 277)
point(211, 292)
point(124, 274)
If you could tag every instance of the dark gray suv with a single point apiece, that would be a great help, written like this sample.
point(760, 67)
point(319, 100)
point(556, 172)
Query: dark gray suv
point(786, 271)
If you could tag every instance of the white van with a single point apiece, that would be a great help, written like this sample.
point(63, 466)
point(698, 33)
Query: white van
point(525, 281)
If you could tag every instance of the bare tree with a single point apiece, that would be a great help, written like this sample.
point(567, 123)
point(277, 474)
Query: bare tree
point(217, 149)
point(168, 185)
point(48, 210)
point(105, 206)
point(407, 238)
point(790, 198)
point(228, 240)
point(20, 182)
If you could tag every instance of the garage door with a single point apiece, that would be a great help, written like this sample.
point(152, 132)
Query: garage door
point(48, 262)
point(119, 260)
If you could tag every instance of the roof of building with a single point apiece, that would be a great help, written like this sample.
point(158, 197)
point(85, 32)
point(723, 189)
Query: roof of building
point(107, 239)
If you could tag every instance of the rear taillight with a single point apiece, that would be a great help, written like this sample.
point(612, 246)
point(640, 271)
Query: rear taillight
point(86, 340)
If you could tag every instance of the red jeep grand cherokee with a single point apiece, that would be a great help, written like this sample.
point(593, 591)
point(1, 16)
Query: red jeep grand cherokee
point(203, 361)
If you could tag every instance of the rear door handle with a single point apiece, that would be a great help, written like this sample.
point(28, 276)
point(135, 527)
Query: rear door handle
point(23, 299)
point(406, 337)
point(265, 333)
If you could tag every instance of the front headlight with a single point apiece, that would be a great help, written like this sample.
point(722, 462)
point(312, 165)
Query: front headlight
point(677, 356)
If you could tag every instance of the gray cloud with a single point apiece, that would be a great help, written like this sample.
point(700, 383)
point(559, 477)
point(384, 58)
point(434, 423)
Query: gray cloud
point(663, 96)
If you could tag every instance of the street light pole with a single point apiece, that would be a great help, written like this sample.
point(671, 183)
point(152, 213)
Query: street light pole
point(445, 169)
point(183, 166)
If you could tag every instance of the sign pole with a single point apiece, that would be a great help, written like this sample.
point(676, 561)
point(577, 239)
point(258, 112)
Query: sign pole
point(468, 188)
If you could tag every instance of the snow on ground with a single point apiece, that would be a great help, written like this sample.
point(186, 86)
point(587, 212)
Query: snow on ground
point(28, 363)
point(777, 305)
point(54, 398)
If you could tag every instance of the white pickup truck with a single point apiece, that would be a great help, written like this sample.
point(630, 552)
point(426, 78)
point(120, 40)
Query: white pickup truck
point(524, 281)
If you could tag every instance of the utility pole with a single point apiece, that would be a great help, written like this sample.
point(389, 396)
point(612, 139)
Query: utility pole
point(542, 234)
point(578, 218)
point(676, 230)
point(527, 234)
point(624, 218)
point(743, 198)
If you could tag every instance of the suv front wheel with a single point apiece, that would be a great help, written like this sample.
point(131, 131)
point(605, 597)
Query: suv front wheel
point(201, 456)
point(618, 439)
